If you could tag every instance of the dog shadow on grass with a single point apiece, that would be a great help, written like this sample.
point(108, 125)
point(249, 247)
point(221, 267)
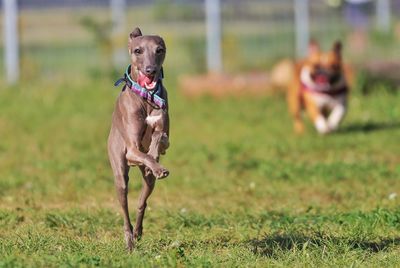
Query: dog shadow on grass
point(273, 245)
point(368, 127)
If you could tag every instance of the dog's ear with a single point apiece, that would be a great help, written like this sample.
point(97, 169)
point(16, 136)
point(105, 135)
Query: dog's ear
point(135, 33)
point(337, 48)
point(313, 47)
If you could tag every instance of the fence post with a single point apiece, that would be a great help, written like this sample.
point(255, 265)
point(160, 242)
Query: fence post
point(383, 15)
point(118, 9)
point(11, 47)
point(301, 20)
point(213, 28)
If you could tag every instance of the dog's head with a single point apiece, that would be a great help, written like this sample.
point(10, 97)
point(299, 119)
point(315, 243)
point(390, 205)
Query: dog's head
point(323, 68)
point(147, 56)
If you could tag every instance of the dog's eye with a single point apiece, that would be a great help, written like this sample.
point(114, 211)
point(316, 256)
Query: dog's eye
point(137, 51)
point(160, 50)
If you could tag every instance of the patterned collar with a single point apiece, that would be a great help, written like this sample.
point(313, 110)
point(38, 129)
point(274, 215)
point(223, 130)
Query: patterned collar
point(153, 96)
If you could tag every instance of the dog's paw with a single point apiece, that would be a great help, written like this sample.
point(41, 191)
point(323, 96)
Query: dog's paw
point(129, 240)
point(324, 131)
point(160, 173)
point(138, 234)
point(321, 125)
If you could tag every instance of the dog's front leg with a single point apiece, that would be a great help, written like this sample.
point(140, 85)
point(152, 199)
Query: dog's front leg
point(155, 142)
point(159, 138)
point(158, 121)
point(136, 157)
point(132, 130)
point(336, 116)
point(317, 117)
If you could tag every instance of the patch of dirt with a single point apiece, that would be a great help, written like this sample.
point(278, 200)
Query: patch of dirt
point(220, 85)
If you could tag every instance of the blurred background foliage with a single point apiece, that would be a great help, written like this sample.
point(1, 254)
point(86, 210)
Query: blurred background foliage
point(74, 38)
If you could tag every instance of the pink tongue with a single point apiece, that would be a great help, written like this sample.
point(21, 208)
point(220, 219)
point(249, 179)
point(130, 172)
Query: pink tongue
point(321, 79)
point(143, 80)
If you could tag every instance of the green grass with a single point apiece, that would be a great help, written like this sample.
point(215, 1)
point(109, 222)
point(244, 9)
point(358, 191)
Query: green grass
point(243, 189)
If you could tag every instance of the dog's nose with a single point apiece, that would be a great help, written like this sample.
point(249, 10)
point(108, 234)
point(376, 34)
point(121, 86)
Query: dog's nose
point(150, 70)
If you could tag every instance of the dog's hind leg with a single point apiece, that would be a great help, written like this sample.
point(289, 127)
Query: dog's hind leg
point(116, 152)
point(147, 188)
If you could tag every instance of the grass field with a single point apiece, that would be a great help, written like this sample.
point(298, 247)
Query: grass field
point(243, 190)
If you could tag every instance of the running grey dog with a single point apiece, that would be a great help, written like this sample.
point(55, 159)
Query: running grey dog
point(140, 125)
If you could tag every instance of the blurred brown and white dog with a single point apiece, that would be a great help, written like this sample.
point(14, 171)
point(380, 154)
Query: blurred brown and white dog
point(320, 86)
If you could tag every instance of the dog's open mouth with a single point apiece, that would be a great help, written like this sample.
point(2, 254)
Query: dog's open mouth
point(147, 81)
point(321, 78)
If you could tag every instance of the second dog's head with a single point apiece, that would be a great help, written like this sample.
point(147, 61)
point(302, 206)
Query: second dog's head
point(323, 67)
point(147, 56)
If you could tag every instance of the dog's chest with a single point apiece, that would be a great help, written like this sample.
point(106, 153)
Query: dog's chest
point(326, 100)
point(153, 120)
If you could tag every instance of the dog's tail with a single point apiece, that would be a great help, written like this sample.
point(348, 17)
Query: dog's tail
point(282, 74)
